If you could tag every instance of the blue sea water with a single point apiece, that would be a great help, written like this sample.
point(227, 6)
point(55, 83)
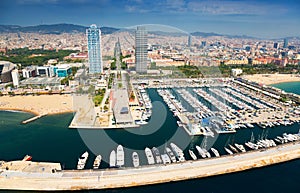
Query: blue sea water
point(49, 139)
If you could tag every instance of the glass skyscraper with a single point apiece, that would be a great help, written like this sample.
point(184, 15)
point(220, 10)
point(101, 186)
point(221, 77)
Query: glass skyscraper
point(94, 49)
point(285, 43)
point(141, 53)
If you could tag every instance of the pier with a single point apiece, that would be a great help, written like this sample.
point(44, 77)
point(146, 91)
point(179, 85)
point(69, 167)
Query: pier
point(33, 118)
point(145, 175)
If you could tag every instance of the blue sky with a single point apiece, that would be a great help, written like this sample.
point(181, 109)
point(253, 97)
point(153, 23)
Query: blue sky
point(260, 18)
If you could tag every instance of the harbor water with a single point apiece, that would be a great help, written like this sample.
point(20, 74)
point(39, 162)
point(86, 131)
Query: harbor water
point(49, 139)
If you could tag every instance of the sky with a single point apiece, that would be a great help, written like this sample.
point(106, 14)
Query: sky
point(259, 18)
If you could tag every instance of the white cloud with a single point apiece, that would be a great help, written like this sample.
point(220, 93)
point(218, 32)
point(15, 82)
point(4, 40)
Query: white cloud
point(217, 7)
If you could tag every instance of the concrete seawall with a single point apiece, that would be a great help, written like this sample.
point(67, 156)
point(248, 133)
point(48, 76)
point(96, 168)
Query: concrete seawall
point(128, 177)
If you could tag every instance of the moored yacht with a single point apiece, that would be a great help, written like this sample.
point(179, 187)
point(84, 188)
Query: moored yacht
point(171, 154)
point(228, 151)
point(200, 151)
point(149, 156)
point(112, 159)
point(82, 160)
point(240, 147)
point(135, 159)
point(178, 152)
point(120, 156)
point(97, 162)
point(192, 154)
point(215, 152)
point(233, 148)
point(156, 155)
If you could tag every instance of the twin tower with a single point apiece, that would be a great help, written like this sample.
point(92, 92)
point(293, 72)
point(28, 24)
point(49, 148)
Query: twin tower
point(94, 49)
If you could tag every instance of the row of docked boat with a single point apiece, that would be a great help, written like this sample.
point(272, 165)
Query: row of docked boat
point(169, 156)
point(193, 101)
point(230, 99)
point(275, 123)
point(221, 106)
point(238, 94)
point(144, 101)
point(116, 158)
point(257, 94)
point(83, 159)
point(174, 105)
point(175, 154)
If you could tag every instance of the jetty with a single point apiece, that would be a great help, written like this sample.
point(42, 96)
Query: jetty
point(34, 178)
point(33, 118)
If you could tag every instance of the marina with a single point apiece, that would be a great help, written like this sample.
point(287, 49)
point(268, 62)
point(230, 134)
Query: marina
point(264, 139)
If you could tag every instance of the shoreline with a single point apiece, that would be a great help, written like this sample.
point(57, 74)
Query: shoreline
point(38, 105)
point(15, 110)
point(282, 82)
point(270, 79)
point(156, 174)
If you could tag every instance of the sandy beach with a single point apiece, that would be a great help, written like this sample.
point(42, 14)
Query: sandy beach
point(38, 105)
point(268, 79)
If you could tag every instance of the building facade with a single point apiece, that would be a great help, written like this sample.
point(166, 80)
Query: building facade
point(285, 43)
point(141, 54)
point(94, 49)
point(15, 77)
point(5, 71)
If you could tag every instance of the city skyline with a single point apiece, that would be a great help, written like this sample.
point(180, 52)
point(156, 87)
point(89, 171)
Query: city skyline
point(264, 19)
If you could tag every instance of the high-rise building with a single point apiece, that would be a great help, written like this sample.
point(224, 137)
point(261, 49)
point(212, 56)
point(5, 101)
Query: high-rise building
point(141, 53)
point(94, 49)
point(203, 44)
point(285, 43)
point(275, 45)
point(190, 41)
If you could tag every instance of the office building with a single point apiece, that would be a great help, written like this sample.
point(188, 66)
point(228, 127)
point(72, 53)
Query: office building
point(5, 71)
point(15, 77)
point(44, 71)
point(190, 41)
point(94, 49)
point(63, 70)
point(275, 45)
point(141, 54)
point(285, 43)
point(29, 71)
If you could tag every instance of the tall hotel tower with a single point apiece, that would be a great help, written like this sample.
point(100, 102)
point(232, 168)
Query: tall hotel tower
point(94, 49)
point(141, 54)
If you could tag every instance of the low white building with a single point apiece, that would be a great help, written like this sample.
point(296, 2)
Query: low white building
point(29, 71)
point(236, 71)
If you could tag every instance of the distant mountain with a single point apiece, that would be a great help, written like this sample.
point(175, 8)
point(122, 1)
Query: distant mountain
point(205, 34)
point(52, 29)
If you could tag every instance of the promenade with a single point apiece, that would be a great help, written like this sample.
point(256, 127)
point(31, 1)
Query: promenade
point(128, 177)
